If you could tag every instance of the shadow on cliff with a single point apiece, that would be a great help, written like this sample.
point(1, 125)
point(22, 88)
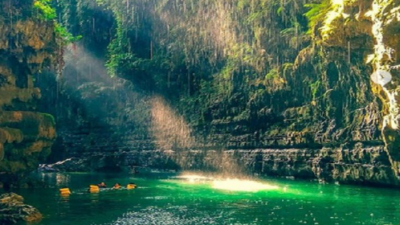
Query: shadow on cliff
point(109, 124)
point(92, 110)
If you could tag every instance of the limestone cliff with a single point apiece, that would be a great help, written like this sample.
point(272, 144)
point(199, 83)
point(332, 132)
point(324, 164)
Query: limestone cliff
point(27, 45)
point(273, 87)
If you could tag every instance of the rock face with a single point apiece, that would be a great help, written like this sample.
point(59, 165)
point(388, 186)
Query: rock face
point(385, 20)
point(26, 46)
point(269, 99)
point(13, 210)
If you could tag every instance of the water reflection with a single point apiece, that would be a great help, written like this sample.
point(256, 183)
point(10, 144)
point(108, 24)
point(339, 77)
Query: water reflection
point(59, 179)
point(229, 184)
point(181, 201)
point(64, 198)
point(242, 185)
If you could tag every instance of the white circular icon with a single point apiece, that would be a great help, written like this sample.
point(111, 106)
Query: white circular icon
point(381, 77)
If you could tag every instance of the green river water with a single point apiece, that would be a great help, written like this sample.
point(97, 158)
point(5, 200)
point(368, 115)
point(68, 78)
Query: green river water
point(162, 199)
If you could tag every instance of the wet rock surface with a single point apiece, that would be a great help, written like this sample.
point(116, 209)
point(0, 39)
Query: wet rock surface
point(357, 164)
point(13, 210)
point(321, 118)
point(27, 45)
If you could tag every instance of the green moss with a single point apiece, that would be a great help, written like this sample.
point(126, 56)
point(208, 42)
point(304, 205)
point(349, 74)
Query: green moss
point(49, 117)
point(314, 88)
point(272, 74)
point(47, 12)
point(243, 116)
point(287, 68)
point(316, 14)
point(13, 167)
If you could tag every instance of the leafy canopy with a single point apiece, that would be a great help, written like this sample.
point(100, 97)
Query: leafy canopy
point(48, 13)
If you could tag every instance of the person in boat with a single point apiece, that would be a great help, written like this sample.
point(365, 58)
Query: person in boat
point(117, 186)
point(102, 185)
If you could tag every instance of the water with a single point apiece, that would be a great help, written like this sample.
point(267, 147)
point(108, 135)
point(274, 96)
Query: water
point(160, 199)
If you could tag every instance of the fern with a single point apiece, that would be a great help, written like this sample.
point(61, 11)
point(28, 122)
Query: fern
point(46, 11)
point(316, 14)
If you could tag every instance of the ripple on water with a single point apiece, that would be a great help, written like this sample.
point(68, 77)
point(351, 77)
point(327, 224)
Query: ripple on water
point(179, 201)
point(171, 215)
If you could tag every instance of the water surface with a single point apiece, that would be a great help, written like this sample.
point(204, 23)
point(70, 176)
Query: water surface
point(162, 199)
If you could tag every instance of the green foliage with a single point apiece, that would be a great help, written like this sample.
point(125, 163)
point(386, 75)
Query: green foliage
point(66, 36)
point(243, 116)
point(200, 53)
point(314, 88)
point(272, 74)
point(243, 4)
point(119, 64)
point(47, 12)
point(50, 118)
point(316, 13)
point(287, 67)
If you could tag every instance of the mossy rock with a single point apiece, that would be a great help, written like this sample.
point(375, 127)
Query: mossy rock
point(13, 210)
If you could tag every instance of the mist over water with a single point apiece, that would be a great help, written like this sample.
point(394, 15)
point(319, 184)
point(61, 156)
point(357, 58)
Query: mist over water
point(140, 116)
point(186, 109)
point(169, 128)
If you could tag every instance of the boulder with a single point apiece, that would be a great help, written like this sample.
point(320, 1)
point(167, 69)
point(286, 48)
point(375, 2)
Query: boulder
point(13, 210)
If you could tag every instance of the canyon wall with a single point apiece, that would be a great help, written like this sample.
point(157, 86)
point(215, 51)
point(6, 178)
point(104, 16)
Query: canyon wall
point(27, 45)
point(267, 87)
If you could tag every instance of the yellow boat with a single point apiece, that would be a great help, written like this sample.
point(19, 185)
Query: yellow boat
point(94, 189)
point(65, 191)
point(130, 186)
